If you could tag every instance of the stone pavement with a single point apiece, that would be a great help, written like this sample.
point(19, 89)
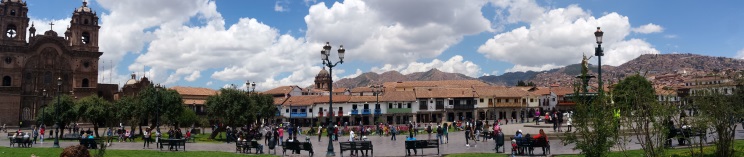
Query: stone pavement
point(383, 146)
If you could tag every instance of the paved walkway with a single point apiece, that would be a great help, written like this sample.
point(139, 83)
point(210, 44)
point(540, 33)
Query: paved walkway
point(383, 146)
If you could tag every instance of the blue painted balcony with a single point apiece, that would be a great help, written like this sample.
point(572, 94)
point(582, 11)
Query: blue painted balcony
point(378, 111)
point(365, 111)
point(299, 115)
point(354, 112)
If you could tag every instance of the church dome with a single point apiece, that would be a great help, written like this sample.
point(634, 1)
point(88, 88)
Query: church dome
point(132, 81)
point(323, 73)
point(84, 8)
point(17, 1)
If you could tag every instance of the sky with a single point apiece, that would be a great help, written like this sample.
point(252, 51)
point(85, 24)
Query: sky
point(216, 43)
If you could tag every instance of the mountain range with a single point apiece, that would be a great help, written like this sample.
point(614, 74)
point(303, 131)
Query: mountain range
point(648, 64)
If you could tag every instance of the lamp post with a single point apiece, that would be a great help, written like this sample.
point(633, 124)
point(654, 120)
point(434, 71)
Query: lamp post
point(157, 108)
point(327, 62)
point(599, 53)
point(43, 105)
point(376, 90)
point(56, 114)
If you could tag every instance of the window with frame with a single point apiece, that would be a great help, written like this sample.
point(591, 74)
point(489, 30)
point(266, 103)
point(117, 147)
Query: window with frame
point(452, 102)
point(354, 107)
point(400, 105)
point(481, 100)
point(390, 105)
point(302, 110)
point(366, 106)
point(409, 105)
point(287, 111)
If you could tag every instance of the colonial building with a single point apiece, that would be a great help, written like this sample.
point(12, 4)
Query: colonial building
point(195, 98)
point(33, 63)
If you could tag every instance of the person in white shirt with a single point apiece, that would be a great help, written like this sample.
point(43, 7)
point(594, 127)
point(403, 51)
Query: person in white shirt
point(351, 136)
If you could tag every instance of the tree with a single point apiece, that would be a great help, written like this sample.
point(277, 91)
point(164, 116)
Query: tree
point(531, 84)
point(721, 111)
point(187, 117)
point(67, 112)
point(128, 110)
point(264, 104)
point(232, 107)
point(95, 110)
point(643, 114)
point(596, 127)
point(521, 83)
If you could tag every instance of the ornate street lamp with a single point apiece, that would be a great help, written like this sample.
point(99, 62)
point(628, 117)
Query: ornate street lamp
point(327, 62)
point(253, 87)
point(157, 108)
point(599, 53)
point(56, 114)
point(376, 90)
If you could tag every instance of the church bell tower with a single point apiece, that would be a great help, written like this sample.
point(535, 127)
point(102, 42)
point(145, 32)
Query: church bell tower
point(13, 21)
point(82, 34)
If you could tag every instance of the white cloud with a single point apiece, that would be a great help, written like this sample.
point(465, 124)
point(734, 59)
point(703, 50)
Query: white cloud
point(42, 25)
point(194, 75)
point(456, 64)
point(281, 6)
point(209, 83)
point(309, 2)
point(394, 32)
point(357, 73)
point(648, 28)
point(559, 36)
point(670, 36)
point(517, 68)
point(740, 54)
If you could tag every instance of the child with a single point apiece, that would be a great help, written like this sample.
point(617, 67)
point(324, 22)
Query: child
point(514, 147)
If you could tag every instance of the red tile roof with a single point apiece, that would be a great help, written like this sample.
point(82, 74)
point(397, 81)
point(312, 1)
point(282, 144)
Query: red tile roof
point(435, 92)
point(398, 96)
point(280, 90)
point(194, 91)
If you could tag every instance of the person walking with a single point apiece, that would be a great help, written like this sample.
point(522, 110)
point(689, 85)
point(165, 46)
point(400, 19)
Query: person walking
point(446, 132)
point(41, 133)
point(428, 130)
point(320, 131)
point(554, 120)
point(467, 134)
point(439, 134)
point(393, 131)
point(281, 135)
point(36, 133)
point(568, 122)
point(146, 138)
point(537, 117)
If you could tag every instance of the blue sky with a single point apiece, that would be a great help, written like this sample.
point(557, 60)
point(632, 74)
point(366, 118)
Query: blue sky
point(207, 43)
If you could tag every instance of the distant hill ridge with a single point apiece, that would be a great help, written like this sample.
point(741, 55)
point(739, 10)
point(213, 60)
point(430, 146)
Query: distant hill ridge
point(648, 63)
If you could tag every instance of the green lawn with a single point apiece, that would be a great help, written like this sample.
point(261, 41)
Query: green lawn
point(50, 152)
point(681, 152)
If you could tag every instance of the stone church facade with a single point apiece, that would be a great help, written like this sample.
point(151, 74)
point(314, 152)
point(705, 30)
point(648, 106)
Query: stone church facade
point(32, 63)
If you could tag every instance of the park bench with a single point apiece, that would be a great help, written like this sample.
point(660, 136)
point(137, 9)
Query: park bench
point(422, 144)
point(245, 146)
point(688, 133)
point(89, 143)
point(296, 147)
point(542, 143)
point(486, 135)
point(173, 144)
point(20, 141)
point(71, 136)
point(365, 146)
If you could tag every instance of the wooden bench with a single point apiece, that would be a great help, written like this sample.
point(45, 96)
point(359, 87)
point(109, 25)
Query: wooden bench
point(422, 144)
point(173, 144)
point(365, 146)
point(687, 133)
point(297, 146)
point(245, 146)
point(72, 136)
point(89, 143)
point(542, 143)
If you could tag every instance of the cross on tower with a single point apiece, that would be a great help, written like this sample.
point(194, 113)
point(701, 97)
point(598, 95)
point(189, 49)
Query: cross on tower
point(51, 26)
